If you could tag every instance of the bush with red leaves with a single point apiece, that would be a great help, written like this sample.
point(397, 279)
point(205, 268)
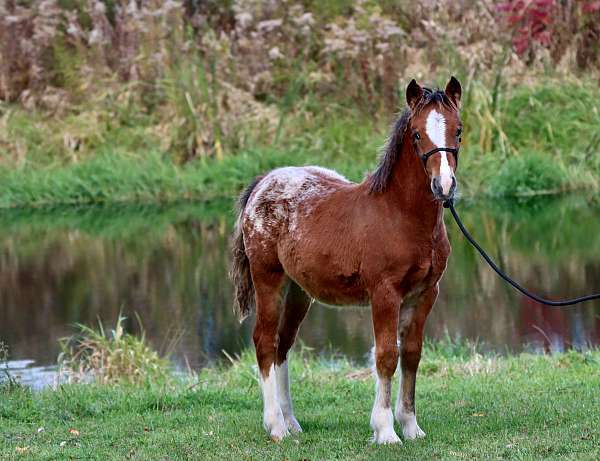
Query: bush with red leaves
point(554, 25)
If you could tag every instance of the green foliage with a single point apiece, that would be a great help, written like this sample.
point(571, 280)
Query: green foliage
point(531, 174)
point(120, 157)
point(66, 67)
point(555, 119)
point(449, 348)
point(193, 91)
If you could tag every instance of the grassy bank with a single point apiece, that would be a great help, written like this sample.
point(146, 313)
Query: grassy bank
point(525, 407)
point(166, 101)
point(527, 141)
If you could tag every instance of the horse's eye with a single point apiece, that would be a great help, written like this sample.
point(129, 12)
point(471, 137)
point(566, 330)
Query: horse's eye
point(417, 136)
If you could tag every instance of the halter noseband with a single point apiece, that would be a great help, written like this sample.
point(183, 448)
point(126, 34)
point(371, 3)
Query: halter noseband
point(452, 150)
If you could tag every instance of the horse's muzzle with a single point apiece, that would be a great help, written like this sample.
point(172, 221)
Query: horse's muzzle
point(438, 190)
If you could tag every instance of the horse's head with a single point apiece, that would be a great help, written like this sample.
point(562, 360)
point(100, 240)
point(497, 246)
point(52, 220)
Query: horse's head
point(435, 130)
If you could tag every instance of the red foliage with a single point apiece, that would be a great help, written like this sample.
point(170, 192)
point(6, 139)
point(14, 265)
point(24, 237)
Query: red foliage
point(539, 21)
point(531, 22)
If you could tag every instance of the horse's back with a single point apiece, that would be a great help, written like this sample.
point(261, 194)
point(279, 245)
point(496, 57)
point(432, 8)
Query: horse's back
point(285, 195)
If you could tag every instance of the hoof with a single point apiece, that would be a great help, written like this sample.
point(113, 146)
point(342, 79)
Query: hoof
point(386, 437)
point(412, 432)
point(292, 424)
point(410, 428)
point(276, 427)
point(278, 433)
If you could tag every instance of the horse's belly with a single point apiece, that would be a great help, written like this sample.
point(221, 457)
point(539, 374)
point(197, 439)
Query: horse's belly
point(329, 284)
point(334, 295)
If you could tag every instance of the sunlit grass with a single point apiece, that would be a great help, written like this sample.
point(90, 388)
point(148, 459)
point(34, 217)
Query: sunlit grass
point(471, 406)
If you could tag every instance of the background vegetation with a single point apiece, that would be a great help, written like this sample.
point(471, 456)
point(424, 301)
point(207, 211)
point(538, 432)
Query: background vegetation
point(120, 100)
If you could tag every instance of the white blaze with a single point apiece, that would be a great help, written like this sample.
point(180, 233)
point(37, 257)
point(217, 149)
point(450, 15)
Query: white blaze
point(436, 130)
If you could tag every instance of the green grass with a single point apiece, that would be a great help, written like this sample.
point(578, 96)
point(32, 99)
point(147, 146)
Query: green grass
point(114, 178)
point(471, 407)
point(526, 141)
point(152, 178)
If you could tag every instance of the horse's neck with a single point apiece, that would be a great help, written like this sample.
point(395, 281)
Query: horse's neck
point(410, 190)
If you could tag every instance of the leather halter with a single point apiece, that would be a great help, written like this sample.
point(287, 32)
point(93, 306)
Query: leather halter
point(452, 150)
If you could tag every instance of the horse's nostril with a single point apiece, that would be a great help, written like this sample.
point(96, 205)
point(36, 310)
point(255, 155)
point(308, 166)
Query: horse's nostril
point(453, 186)
point(436, 185)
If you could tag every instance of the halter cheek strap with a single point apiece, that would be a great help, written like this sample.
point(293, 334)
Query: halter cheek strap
point(452, 150)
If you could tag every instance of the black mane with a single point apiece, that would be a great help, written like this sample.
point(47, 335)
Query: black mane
point(380, 178)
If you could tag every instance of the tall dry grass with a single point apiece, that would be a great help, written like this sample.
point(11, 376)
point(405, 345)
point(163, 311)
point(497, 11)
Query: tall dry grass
point(205, 78)
point(110, 357)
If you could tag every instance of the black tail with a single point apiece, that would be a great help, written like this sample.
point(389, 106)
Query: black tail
point(243, 301)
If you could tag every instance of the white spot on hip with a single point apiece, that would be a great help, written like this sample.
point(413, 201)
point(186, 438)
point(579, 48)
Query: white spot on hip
point(285, 193)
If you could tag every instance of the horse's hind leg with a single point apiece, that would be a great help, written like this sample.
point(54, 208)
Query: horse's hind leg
point(267, 285)
point(295, 308)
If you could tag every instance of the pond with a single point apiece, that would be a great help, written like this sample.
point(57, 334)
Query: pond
point(168, 266)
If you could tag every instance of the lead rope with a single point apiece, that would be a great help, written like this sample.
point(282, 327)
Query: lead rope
point(567, 302)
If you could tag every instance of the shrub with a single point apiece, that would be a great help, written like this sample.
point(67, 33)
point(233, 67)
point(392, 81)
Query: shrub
point(530, 174)
point(110, 358)
point(554, 25)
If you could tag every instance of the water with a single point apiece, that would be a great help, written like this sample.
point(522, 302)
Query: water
point(169, 266)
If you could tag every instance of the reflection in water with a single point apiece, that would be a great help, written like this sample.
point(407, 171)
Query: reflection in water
point(169, 265)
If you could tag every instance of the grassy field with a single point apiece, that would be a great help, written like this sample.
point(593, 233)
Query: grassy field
point(470, 406)
point(531, 141)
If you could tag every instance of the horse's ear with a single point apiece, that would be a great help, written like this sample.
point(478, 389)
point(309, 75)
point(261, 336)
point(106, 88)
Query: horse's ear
point(454, 91)
point(413, 93)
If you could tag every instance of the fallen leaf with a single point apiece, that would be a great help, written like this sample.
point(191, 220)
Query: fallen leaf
point(40, 430)
point(22, 449)
point(478, 414)
point(62, 444)
point(74, 432)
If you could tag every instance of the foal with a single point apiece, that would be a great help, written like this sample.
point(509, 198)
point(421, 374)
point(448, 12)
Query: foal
point(307, 233)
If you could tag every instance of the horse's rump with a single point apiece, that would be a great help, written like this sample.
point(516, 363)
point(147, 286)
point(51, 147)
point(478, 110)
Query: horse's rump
point(285, 196)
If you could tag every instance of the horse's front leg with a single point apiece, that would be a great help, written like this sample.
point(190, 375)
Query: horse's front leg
point(385, 306)
point(410, 356)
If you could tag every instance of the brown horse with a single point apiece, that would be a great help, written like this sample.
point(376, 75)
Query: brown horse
point(307, 233)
